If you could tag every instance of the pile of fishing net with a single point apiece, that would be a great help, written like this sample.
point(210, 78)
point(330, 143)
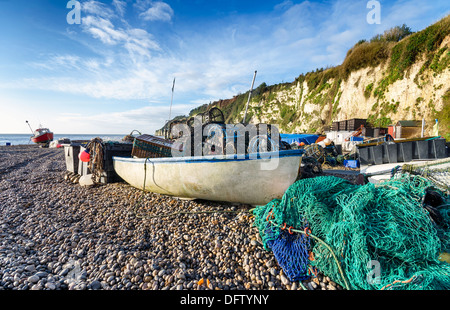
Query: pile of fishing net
point(374, 236)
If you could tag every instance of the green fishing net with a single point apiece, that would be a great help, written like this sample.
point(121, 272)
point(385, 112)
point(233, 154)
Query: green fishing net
point(381, 234)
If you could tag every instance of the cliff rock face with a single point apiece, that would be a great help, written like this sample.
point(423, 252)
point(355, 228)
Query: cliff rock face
point(384, 81)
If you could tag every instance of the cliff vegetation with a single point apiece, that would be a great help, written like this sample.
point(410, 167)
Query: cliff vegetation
point(397, 75)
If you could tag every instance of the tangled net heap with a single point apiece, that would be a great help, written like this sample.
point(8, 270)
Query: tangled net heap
point(382, 236)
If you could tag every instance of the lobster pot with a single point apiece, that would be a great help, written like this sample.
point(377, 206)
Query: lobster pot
point(335, 126)
point(342, 125)
point(148, 146)
point(355, 124)
point(111, 149)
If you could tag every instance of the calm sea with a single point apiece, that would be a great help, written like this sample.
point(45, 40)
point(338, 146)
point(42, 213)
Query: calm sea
point(20, 139)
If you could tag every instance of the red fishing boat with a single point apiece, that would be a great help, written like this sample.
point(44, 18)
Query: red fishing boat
point(41, 135)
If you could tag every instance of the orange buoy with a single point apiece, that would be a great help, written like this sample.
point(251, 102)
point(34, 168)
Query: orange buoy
point(85, 156)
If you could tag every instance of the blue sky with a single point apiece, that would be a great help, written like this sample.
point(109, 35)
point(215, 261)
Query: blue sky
point(113, 72)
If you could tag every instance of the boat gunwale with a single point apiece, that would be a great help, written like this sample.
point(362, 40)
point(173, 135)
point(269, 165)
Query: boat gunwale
point(214, 158)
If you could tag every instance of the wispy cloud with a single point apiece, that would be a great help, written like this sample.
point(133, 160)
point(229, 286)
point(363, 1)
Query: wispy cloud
point(135, 40)
point(215, 64)
point(123, 55)
point(103, 29)
point(120, 6)
point(58, 62)
point(98, 8)
point(157, 11)
point(140, 119)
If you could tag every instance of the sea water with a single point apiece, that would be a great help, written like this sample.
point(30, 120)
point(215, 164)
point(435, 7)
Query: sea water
point(24, 139)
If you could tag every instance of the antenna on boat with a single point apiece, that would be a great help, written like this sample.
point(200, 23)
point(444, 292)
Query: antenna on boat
point(30, 127)
point(171, 100)
point(249, 96)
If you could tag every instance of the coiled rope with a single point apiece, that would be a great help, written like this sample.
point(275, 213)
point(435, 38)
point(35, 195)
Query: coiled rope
point(95, 147)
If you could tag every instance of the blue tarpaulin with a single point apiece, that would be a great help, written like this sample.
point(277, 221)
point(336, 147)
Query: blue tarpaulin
point(351, 163)
point(305, 138)
point(356, 138)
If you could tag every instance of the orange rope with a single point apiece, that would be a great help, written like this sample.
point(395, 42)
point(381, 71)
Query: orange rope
point(307, 231)
point(398, 281)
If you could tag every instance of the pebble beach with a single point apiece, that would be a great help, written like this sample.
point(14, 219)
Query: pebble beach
point(57, 235)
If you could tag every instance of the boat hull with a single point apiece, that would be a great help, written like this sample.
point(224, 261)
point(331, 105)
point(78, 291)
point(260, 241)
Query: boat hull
point(229, 178)
point(47, 137)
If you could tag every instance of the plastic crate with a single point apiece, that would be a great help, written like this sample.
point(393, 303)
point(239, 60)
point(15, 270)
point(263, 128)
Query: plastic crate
point(405, 151)
point(71, 155)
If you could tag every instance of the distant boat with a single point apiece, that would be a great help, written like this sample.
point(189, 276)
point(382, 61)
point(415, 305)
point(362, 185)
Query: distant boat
point(228, 178)
point(41, 135)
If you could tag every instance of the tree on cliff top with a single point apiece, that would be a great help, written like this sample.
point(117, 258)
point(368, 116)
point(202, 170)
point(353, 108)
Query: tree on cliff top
point(394, 34)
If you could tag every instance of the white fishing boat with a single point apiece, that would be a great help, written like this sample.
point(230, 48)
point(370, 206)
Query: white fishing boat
point(253, 179)
point(379, 173)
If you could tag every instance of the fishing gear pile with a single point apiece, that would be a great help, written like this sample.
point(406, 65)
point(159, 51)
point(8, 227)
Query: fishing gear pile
point(374, 236)
point(96, 160)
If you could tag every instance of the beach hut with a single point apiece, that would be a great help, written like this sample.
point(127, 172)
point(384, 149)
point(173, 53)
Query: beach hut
point(407, 129)
point(391, 130)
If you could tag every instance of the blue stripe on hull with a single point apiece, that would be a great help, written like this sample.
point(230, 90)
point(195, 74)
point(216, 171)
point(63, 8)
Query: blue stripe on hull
point(214, 158)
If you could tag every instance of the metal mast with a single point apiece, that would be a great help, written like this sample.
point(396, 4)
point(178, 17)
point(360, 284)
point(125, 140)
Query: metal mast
point(248, 100)
point(171, 100)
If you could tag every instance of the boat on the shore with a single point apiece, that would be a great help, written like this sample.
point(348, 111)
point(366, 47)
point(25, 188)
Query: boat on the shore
point(436, 170)
point(41, 135)
point(254, 179)
point(384, 171)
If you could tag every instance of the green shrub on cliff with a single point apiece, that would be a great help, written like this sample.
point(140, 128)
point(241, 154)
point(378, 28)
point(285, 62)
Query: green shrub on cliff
point(444, 116)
